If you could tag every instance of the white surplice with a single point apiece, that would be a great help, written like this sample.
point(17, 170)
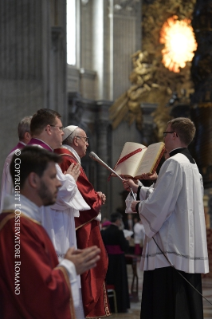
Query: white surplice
point(58, 220)
point(173, 213)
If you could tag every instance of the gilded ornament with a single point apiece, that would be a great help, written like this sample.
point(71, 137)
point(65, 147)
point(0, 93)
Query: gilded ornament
point(151, 81)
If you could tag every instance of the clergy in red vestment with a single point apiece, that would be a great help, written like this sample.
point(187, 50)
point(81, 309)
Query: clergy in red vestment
point(32, 282)
point(95, 302)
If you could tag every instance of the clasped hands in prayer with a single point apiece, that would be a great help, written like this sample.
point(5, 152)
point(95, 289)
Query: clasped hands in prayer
point(132, 184)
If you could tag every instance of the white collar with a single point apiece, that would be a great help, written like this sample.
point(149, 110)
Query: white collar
point(25, 205)
point(72, 151)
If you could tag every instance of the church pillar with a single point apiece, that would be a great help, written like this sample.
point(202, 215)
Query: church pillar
point(22, 28)
point(57, 59)
point(148, 128)
point(103, 151)
point(32, 63)
point(201, 111)
point(201, 100)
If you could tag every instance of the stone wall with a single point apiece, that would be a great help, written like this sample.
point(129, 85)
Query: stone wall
point(32, 63)
point(34, 74)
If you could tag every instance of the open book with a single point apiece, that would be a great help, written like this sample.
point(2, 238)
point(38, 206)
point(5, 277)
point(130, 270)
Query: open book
point(137, 159)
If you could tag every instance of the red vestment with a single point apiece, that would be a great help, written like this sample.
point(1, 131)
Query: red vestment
point(32, 286)
point(94, 294)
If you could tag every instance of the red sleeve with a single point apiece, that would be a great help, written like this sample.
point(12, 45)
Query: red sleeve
point(32, 286)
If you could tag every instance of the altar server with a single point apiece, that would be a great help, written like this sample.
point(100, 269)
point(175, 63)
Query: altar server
point(175, 249)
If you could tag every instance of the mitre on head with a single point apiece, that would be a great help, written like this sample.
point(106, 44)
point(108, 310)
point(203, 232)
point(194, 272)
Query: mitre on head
point(68, 130)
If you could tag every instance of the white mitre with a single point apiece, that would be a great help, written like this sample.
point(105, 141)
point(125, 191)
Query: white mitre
point(68, 130)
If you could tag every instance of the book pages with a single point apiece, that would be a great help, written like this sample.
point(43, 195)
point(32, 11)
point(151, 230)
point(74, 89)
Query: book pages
point(128, 167)
point(149, 159)
point(137, 159)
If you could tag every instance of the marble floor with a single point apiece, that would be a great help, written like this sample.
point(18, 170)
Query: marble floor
point(134, 312)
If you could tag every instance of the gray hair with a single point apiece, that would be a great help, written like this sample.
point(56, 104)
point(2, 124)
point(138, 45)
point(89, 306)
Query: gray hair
point(70, 139)
point(24, 126)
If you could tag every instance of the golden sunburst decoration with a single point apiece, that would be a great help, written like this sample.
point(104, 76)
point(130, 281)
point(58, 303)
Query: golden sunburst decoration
point(178, 38)
point(152, 82)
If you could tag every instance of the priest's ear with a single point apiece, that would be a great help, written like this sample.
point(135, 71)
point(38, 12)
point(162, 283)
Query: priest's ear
point(27, 137)
point(75, 141)
point(48, 129)
point(33, 180)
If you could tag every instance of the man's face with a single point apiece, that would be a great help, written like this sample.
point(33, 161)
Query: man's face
point(57, 133)
point(81, 143)
point(49, 185)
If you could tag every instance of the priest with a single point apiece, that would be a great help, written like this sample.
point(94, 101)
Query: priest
point(75, 143)
point(175, 249)
point(24, 138)
point(58, 220)
point(32, 282)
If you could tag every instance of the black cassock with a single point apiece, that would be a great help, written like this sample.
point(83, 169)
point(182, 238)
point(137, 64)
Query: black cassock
point(116, 244)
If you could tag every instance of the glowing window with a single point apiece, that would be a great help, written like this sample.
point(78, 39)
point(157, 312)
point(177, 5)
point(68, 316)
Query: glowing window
point(179, 41)
point(71, 31)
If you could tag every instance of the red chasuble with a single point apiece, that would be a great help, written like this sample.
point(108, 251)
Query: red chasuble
point(94, 294)
point(31, 284)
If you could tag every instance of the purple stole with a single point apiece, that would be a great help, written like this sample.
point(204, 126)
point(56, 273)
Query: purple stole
point(35, 141)
point(18, 146)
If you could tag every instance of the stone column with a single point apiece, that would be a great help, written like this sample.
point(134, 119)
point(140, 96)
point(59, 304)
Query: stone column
point(149, 128)
point(103, 151)
point(22, 28)
point(201, 100)
point(57, 59)
point(32, 63)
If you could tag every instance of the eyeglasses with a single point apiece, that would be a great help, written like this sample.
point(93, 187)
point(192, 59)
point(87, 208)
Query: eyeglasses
point(85, 137)
point(60, 127)
point(165, 133)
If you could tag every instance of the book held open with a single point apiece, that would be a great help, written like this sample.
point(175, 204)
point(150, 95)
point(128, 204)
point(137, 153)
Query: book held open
point(137, 159)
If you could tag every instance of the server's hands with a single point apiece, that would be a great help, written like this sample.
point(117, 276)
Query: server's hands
point(133, 205)
point(130, 184)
